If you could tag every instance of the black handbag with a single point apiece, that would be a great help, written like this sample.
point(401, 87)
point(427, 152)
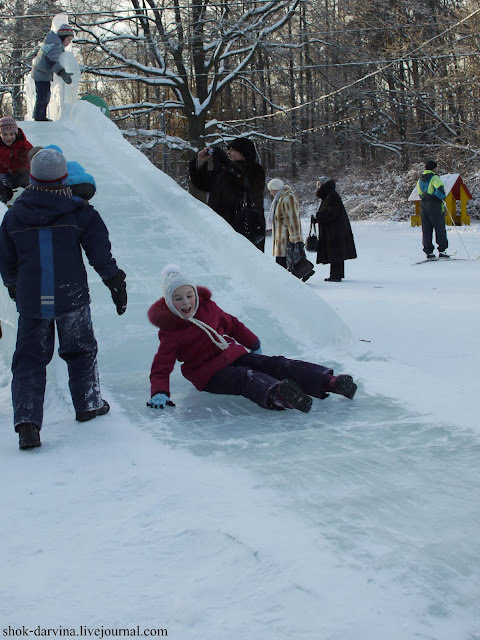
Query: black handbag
point(249, 222)
point(311, 243)
point(302, 269)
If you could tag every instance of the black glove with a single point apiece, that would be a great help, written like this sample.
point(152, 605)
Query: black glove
point(65, 76)
point(12, 291)
point(118, 289)
point(219, 158)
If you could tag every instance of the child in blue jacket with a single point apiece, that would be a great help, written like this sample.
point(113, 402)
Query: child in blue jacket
point(41, 264)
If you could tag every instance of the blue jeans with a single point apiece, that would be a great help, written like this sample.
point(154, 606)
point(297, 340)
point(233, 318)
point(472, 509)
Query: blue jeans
point(34, 350)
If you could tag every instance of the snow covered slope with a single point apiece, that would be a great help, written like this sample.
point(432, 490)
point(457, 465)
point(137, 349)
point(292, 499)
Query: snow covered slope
point(219, 520)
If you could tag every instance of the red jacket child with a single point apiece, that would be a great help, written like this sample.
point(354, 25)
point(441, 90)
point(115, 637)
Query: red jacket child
point(14, 164)
point(221, 356)
point(187, 342)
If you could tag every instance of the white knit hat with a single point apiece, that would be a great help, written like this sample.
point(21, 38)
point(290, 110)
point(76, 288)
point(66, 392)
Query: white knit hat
point(172, 278)
point(275, 185)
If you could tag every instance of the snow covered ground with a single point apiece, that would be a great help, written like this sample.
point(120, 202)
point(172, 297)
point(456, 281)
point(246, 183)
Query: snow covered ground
point(216, 519)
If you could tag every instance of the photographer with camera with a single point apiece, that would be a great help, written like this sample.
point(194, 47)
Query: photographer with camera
point(235, 185)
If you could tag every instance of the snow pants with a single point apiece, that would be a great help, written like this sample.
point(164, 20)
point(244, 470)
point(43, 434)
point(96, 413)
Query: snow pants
point(34, 350)
point(433, 218)
point(42, 90)
point(256, 377)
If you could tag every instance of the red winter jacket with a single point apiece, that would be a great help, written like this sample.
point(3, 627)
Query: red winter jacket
point(183, 341)
point(15, 157)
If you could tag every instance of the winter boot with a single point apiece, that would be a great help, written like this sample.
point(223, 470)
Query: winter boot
point(84, 416)
point(288, 394)
point(343, 385)
point(442, 254)
point(431, 256)
point(28, 435)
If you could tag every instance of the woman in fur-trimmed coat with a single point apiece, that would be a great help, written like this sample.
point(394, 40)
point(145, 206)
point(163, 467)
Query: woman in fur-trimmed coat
point(335, 242)
point(284, 218)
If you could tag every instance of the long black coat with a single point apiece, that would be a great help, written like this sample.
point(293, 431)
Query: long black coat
point(226, 187)
point(336, 241)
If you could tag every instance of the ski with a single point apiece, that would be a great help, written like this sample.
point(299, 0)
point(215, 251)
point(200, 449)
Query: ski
point(429, 260)
point(450, 259)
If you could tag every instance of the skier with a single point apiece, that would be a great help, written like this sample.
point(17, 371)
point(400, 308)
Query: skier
point(14, 164)
point(221, 355)
point(41, 264)
point(431, 190)
point(46, 64)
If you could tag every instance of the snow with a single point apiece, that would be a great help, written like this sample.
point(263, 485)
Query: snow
point(217, 519)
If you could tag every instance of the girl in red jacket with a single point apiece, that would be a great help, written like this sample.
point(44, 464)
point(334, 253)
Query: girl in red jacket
point(221, 355)
point(14, 165)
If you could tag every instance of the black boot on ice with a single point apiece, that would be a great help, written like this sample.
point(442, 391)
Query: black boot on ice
point(290, 395)
point(28, 435)
point(84, 416)
point(344, 386)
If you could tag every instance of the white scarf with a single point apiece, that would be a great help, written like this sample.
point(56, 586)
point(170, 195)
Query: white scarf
point(273, 206)
point(214, 336)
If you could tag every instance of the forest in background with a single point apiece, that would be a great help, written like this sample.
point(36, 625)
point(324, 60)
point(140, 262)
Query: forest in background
point(363, 92)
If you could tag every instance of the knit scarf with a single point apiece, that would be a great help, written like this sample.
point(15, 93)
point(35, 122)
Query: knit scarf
point(214, 336)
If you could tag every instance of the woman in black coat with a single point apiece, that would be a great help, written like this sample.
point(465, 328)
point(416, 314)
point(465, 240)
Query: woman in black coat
point(225, 183)
point(335, 244)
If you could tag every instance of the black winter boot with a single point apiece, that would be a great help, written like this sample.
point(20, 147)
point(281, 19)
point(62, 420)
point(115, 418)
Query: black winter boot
point(290, 395)
point(28, 435)
point(84, 416)
point(344, 386)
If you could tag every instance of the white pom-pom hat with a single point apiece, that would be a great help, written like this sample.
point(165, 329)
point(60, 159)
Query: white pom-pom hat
point(275, 185)
point(173, 278)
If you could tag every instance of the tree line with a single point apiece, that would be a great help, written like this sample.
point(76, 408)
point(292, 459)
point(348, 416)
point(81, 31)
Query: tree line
point(314, 83)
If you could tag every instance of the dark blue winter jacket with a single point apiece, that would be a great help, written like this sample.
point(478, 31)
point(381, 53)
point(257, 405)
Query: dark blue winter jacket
point(41, 241)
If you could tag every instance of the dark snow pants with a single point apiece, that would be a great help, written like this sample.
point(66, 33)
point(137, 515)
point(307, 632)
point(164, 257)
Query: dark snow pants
point(256, 377)
point(34, 350)
point(433, 218)
point(42, 89)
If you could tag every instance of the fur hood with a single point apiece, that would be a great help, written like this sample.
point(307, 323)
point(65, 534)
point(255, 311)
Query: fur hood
point(326, 188)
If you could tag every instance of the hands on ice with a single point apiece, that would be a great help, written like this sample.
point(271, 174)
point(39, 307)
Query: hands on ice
point(159, 401)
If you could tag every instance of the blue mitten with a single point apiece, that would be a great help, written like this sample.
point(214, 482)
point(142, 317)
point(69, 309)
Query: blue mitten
point(257, 350)
point(159, 401)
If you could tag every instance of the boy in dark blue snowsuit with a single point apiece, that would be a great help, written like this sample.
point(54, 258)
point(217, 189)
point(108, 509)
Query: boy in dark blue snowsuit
point(41, 264)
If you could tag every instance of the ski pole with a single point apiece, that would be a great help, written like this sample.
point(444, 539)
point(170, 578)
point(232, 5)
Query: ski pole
point(453, 222)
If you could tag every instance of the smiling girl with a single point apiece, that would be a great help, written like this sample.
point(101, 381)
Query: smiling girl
point(219, 354)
